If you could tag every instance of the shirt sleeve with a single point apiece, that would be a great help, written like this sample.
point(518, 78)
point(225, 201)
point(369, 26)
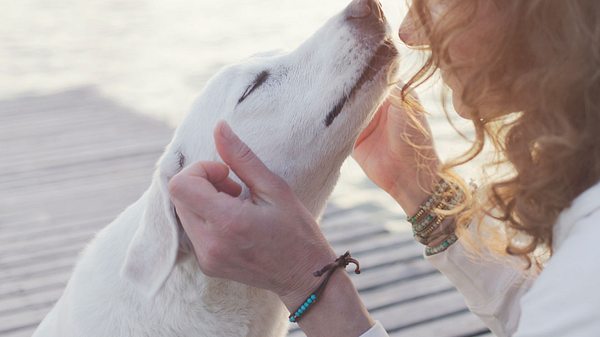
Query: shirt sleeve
point(492, 288)
point(565, 300)
point(376, 330)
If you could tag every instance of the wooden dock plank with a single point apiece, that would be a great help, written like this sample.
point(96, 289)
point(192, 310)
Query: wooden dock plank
point(75, 160)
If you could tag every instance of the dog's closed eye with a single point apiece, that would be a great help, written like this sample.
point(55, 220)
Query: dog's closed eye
point(258, 81)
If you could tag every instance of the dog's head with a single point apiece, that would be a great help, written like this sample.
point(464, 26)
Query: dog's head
point(300, 112)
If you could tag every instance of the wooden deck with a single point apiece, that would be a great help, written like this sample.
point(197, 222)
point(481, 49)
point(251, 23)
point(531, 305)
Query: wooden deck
point(72, 161)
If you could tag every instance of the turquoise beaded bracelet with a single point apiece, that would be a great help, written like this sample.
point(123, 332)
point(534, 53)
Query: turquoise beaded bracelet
point(310, 300)
point(340, 262)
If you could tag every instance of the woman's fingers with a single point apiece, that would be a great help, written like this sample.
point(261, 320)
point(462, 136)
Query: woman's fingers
point(246, 165)
point(218, 174)
point(198, 187)
point(373, 125)
point(230, 187)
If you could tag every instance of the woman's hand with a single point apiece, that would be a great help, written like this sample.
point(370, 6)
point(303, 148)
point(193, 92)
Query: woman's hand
point(268, 241)
point(397, 154)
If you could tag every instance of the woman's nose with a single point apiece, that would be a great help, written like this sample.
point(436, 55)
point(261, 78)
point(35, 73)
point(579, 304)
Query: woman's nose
point(411, 31)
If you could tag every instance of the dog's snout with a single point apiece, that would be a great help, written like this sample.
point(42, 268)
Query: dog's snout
point(365, 9)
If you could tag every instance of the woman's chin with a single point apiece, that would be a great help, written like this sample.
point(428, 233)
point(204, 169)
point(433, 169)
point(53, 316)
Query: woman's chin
point(461, 109)
point(464, 114)
point(487, 110)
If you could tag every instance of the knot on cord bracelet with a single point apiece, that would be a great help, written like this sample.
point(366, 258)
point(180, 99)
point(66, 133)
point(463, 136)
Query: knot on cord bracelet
point(328, 270)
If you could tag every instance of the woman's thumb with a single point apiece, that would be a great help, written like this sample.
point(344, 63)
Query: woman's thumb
point(242, 160)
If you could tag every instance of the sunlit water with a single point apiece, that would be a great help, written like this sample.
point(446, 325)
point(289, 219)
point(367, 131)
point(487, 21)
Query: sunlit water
point(155, 56)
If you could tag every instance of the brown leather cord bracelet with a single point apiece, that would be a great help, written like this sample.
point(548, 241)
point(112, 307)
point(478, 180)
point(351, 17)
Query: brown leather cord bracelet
point(341, 262)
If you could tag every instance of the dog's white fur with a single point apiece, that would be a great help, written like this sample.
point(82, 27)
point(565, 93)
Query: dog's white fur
point(138, 277)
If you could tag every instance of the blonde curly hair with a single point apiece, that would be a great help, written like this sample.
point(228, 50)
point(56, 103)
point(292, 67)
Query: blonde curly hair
point(548, 61)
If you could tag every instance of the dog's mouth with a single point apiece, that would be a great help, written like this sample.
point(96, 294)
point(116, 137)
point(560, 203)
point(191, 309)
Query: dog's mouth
point(382, 57)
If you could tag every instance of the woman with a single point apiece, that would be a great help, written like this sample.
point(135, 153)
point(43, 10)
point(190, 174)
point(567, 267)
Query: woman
point(527, 73)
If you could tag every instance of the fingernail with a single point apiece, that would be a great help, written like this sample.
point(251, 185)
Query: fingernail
point(226, 131)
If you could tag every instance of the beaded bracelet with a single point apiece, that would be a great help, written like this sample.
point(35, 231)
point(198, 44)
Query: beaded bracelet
point(425, 222)
point(425, 228)
point(430, 221)
point(340, 262)
point(450, 240)
point(423, 237)
point(422, 226)
point(442, 187)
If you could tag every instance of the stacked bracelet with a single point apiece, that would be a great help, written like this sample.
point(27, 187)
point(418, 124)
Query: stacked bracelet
point(340, 262)
point(426, 221)
point(424, 236)
point(441, 188)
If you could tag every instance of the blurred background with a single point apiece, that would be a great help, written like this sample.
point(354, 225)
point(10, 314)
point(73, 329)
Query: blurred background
point(89, 93)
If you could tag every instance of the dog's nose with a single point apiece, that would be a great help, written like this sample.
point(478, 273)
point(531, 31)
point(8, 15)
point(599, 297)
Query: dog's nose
point(365, 9)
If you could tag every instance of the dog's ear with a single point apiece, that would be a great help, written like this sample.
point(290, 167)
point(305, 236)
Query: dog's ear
point(153, 250)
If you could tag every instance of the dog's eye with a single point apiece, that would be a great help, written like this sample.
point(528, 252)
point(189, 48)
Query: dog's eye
point(258, 81)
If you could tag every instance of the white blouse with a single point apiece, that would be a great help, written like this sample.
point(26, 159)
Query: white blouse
point(564, 300)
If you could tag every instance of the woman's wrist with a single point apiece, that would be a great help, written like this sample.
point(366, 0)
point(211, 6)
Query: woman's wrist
point(304, 282)
point(410, 190)
point(431, 226)
point(411, 195)
point(338, 312)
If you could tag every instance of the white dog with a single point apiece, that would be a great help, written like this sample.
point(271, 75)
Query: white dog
point(301, 113)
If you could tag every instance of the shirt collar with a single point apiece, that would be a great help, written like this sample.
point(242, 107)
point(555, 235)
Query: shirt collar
point(586, 203)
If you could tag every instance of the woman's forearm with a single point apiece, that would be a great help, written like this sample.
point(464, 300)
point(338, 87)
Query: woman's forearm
point(338, 313)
